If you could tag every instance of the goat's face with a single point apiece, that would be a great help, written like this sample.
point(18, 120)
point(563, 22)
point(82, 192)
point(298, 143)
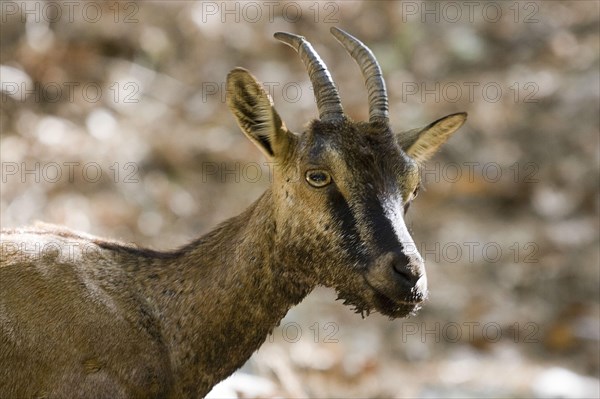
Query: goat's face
point(341, 189)
point(353, 182)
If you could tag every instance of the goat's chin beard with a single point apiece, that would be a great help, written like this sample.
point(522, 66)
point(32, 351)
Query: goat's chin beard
point(370, 301)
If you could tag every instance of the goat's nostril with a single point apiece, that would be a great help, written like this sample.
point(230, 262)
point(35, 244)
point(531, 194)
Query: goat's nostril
point(405, 271)
point(402, 270)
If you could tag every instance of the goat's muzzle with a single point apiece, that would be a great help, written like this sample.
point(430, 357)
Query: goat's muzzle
point(402, 282)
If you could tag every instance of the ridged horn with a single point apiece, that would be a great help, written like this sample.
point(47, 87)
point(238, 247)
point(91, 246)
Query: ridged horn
point(328, 99)
point(378, 100)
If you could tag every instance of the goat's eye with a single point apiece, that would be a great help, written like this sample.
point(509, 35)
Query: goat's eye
point(416, 191)
point(412, 197)
point(318, 178)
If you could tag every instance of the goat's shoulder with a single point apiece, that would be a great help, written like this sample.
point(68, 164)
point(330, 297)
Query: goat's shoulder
point(62, 277)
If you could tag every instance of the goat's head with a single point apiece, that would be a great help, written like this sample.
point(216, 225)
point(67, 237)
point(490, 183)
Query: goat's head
point(341, 188)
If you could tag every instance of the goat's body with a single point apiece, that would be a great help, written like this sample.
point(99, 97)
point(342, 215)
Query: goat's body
point(115, 321)
point(99, 333)
point(82, 317)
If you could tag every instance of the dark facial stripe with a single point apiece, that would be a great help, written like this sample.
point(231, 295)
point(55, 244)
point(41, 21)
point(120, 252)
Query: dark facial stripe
point(365, 222)
point(384, 237)
point(343, 216)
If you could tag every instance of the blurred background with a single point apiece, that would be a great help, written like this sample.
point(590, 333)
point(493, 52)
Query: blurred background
point(113, 121)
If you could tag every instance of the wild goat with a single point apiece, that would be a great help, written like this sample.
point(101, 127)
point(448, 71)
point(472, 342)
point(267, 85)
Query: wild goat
point(93, 318)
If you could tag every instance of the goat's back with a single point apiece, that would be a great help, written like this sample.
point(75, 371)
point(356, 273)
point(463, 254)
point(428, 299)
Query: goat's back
point(72, 323)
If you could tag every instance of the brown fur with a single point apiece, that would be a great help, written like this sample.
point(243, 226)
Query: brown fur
point(83, 317)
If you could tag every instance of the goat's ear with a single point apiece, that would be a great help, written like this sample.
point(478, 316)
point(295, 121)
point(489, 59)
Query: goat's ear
point(255, 114)
point(420, 144)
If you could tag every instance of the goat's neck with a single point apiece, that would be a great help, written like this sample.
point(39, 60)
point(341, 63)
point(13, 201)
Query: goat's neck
point(220, 296)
